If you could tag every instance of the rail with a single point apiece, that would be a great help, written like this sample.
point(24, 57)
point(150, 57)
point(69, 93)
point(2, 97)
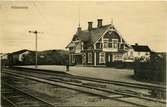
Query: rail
point(70, 85)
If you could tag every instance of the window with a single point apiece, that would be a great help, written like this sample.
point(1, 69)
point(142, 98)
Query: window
point(131, 53)
point(106, 41)
point(89, 57)
point(114, 43)
point(71, 49)
point(98, 45)
point(101, 57)
point(110, 45)
point(118, 57)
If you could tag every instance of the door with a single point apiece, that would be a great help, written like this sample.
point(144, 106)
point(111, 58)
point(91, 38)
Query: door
point(78, 59)
point(108, 58)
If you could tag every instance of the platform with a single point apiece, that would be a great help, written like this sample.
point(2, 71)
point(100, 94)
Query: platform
point(124, 75)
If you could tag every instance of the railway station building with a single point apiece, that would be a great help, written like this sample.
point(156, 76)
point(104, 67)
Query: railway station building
point(97, 45)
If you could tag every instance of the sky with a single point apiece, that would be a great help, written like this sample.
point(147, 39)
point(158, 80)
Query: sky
point(144, 23)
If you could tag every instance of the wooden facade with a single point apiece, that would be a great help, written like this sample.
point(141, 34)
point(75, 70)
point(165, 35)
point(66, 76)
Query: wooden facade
point(97, 46)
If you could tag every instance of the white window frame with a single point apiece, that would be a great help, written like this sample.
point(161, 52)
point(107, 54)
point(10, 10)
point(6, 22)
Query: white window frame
point(90, 59)
point(110, 42)
point(118, 57)
point(100, 45)
point(102, 59)
point(105, 41)
point(115, 43)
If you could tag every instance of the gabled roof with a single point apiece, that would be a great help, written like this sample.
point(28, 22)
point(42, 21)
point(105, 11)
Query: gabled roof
point(93, 34)
point(84, 35)
point(141, 48)
point(19, 52)
point(96, 33)
point(72, 44)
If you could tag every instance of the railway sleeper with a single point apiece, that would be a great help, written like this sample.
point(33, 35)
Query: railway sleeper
point(79, 88)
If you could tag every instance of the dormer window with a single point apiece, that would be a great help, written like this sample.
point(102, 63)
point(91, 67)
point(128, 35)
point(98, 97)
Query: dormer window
point(106, 41)
point(114, 43)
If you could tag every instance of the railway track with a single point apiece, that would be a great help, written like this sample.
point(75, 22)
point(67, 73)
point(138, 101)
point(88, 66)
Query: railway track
point(15, 97)
point(160, 88)
point(72, 78)
point(103, 92)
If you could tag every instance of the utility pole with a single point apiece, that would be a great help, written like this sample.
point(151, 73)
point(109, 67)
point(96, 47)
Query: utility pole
point(1, 63)
point(36, 46)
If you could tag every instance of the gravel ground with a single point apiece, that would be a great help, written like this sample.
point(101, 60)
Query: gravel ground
point(97, 72)
point(64, 97)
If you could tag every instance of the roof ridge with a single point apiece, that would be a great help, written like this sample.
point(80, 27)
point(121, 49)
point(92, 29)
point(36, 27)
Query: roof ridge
point(94, 28)
point(141, 48)
point(139, 45)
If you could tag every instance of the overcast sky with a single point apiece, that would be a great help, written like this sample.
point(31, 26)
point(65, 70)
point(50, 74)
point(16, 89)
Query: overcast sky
point(144, 23)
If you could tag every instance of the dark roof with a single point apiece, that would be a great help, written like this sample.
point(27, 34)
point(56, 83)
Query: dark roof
point(72, 44)
point(84, 35)
point(94, 34)
point(97, 32)
point(91, 36)
point(19, 52)
point(141, 48)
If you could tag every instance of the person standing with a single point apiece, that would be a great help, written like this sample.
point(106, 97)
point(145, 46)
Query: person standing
point(67, 64)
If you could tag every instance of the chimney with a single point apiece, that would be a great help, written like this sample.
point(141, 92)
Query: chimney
point(99, 22)
point(90, 25)
point(136, 44)
point(79, 29)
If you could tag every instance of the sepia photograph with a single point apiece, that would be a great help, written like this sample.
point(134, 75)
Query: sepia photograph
point(76, 53)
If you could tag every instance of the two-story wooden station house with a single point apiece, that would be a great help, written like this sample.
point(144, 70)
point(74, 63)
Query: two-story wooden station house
point(97, 45)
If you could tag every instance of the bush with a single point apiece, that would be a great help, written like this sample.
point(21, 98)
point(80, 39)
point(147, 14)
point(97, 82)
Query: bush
point(153, 70)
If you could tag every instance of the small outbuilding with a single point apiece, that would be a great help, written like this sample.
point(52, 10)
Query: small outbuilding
point(139, 52)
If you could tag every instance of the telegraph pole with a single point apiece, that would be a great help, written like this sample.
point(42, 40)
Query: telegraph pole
point(36, 46)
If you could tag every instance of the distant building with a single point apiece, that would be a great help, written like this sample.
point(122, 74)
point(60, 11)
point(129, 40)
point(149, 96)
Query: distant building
point(97, 46)
point(4, 56)
point(138, 52)
point(17, 57)
point(3, 59)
